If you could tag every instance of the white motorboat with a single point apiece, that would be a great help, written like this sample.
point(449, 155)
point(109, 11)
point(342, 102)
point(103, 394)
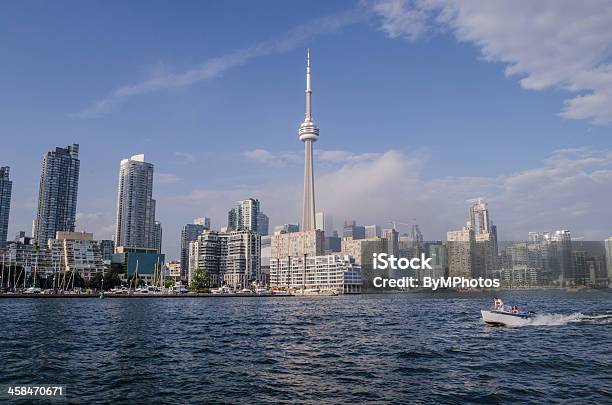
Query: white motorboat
point(281, 292)
point(505, 318)
point(222, 290)
point(178, 288)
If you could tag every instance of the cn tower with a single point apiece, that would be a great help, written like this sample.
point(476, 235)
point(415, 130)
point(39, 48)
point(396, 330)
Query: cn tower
point(308, 133)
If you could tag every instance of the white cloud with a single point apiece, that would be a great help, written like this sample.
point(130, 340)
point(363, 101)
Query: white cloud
point(402, 19)
point(166, 178)
point(162, 80)
point(101, 224)
point(342, 156)
point(274, 159)
point(562, 43)
point(185, 157)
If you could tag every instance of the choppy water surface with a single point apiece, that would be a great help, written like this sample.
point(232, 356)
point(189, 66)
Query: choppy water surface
point(368, 348)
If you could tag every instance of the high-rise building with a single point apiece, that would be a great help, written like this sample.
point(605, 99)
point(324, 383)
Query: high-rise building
point(298, 244)
point(325, 223)
point(263, 224)
point(77, 252)
point(320, 221)
point(560, 256)
point(352, 230)
point(231, 258)
point(415, 234)
point(202, 221)
point(460, 250)
point(579, 265)
point(157, 236)
point(248, 214)
point(392, 239)
point(479, 217)
point(439, 258)
point(107, 249)
point(266, 254)
point(6, 186)
point(135, 204)
point(244, 215)
point(57, 197)
point(372, 231)
point(333, 244)
point(190, 233)
point(308, 133)
point(362, 250)
point(233, 218)
point(485, 238)
point(286, 228)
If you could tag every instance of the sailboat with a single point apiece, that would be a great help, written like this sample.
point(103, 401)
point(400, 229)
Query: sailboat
point(102, 286)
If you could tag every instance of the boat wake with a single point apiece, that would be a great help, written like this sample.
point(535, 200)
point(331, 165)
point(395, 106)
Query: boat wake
point(561, 319)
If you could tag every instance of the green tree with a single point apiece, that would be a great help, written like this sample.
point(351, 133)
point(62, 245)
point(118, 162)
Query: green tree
point(200, 280)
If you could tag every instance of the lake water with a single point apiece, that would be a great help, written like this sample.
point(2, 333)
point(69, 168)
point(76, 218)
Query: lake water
point(428, 348)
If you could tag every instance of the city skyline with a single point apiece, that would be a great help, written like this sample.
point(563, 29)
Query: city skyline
point(540, 171)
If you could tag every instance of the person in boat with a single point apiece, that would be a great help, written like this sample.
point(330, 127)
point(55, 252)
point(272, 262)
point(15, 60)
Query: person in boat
point(499, 305)
point(515, 309)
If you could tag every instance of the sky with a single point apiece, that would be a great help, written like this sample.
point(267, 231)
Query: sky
point(422, 106)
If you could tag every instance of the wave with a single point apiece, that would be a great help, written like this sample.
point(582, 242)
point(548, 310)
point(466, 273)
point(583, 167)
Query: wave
point(561, 319)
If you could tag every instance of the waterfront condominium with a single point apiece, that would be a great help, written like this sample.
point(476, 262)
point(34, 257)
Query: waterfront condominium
point(77, 252)
point(6, 186)
point(57, 198)
point(135, 227)
point(231, 258)
point(190, 233)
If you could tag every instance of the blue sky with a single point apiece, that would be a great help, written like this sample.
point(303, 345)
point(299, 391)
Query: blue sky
point(418, 111)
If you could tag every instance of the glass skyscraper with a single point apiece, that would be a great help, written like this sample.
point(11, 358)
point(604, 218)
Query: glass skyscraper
point(6, 186)
point(57, 198)
point(135, 204)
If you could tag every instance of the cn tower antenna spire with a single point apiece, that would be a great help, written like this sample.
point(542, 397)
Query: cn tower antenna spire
point(308, 89)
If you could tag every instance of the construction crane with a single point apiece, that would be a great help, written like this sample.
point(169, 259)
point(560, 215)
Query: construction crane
point(394, 223)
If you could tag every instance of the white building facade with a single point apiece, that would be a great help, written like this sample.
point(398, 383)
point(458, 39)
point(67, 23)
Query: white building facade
point(326, 273)
point(76, 252)
point(232, 258)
